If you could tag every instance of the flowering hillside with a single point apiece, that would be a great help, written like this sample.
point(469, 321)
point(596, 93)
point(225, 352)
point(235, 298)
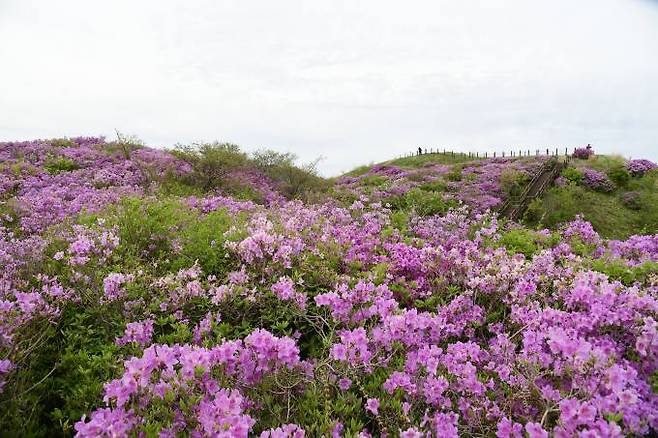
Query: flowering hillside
point(152, 293)
point(480, 184)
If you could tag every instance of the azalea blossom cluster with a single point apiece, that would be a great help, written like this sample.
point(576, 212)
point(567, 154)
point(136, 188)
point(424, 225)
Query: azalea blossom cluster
point(170, 375)
point(547, 367)
point(385, 324)
point(596, 180)
point(583, 153)
point(640, 166)
point(44, 182)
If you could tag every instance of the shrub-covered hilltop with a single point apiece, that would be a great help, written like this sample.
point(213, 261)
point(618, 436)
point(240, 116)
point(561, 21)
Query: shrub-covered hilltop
point(204, 291)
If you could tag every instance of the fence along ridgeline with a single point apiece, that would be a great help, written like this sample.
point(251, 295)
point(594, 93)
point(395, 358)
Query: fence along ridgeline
point(503, 154)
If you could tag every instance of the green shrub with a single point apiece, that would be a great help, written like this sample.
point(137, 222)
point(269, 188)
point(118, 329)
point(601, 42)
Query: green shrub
point(513, 182)
point(521, 240)
point(433, 186)
point(618, 270)
point(124, 145)
point(421, 202)
point(534, 212)
point(203, 241)
point(619, 175)
point(455, 174)
point(63, 379)
point(211, 163)
point(148, 227)
point(572, 174)
point(215, 165)
point(9, 217)
point(292, 180)
point(400, 220)
point(57, 165)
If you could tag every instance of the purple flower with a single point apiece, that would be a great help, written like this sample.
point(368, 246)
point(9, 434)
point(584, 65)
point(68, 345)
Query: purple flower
point(139, 332)
point(583, 153)
point(372, 405)
point(596, 180)
point(640, 167)
point(535, 430)
point(344, 384)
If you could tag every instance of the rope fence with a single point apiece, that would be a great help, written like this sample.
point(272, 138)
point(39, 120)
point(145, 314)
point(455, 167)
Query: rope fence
point(502, 154)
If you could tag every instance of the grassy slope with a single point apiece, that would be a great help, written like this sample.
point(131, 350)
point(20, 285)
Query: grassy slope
point(606, 211)
point(414, 162)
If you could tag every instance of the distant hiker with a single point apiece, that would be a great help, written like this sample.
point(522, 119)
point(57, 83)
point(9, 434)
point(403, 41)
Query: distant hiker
point(420, 151)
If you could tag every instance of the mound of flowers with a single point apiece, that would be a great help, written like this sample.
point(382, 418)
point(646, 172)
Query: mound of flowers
point(583, 153)
point(44, 182)
point(476, 184)
point(210, 316)
point(640, 167)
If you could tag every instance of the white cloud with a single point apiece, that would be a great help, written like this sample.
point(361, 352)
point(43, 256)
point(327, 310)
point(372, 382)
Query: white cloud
point(352, 81)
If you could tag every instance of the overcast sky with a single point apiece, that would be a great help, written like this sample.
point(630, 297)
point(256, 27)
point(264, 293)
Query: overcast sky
point(352, 81)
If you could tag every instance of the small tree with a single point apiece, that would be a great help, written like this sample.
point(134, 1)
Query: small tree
point(211, 162)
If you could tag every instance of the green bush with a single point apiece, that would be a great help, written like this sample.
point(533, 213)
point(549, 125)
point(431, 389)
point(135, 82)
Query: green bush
point(617, 270)
point(434, 186)
point(455, 174)
point(513, 182)
point(57, 165)
point(293, 181)
point(534, 212)
point(215, 166)
point(619, 175)
point(147, 226)
point(572, 174)
point(211, 163)
point(124, 145)
point(521, 240)
point(421, 202)
point(203, 241)
point(63, 378)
